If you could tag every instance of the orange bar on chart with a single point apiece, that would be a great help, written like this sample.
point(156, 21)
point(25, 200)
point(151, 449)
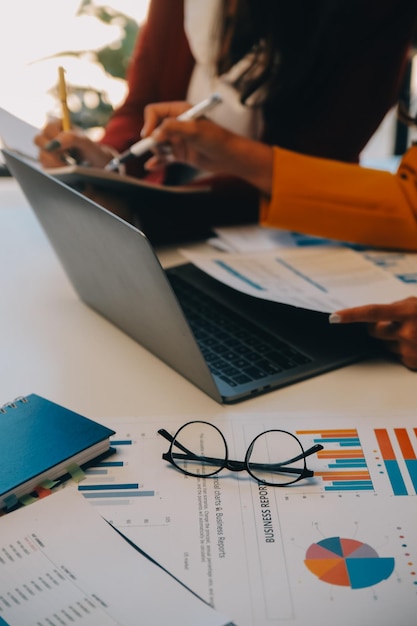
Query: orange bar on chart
point(343, 475)
point(405, 443)
point(340, 454)
point(351, 432)
point(384, 443)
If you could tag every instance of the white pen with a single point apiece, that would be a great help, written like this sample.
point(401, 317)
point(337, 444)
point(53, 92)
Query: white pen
point(145, 145)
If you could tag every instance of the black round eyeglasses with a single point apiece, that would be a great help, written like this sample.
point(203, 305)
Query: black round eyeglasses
point(275, 457)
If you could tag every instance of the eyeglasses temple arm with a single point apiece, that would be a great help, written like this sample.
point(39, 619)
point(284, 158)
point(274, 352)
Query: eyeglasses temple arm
point(188, 453)
point(281, 469)
point(170, 438)
point(234, 466)
point(239, 466)
point(316, 448)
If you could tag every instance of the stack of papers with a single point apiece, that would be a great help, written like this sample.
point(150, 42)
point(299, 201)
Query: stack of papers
point(336, 549)
point(61, 563)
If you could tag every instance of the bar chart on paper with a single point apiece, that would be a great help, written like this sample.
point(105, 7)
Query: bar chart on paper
point(101, 489)
point(342, 463)
point(398, 459)
point(118, 486)
point(365, 460)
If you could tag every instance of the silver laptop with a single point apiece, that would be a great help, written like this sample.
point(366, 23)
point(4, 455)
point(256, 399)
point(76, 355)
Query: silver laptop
point(230, 345)
point(18, 135)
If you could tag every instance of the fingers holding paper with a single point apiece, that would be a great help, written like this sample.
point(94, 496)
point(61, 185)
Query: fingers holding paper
point(395, 325)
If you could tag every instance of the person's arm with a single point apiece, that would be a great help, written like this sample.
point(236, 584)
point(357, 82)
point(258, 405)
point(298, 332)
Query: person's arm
point(159, 70)
point(301, 193)
point(394, 324)
point(344, 201)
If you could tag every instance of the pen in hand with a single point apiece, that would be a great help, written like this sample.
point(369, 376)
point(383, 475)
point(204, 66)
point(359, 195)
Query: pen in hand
point(145, 145)
point(62, 92)
point(65, 114)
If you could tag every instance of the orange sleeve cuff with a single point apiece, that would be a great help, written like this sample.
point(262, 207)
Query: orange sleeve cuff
point(344, 201)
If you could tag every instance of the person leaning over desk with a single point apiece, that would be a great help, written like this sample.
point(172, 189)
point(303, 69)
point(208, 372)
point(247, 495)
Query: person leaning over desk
point(388, 201)
point(307, 77)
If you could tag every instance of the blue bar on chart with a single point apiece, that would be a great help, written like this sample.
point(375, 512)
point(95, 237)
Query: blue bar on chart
point(108, 487)
point(346, 468)
point(110, 464)
point(231, 270)
point(121, 442)
point(122, 490)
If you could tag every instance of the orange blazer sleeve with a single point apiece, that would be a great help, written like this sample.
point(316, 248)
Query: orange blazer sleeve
point(344, 201)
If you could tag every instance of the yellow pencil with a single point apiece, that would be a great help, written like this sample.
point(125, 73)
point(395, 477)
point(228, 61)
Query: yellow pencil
point(62, 91)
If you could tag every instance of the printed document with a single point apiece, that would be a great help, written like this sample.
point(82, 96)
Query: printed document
point(339, 548)
point(324, 278)
point(61, 564)
point(253, 238)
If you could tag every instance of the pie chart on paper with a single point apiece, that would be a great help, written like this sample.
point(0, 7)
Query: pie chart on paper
point(347, 563)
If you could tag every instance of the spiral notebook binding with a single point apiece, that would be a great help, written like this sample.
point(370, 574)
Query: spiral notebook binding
point(13, 404)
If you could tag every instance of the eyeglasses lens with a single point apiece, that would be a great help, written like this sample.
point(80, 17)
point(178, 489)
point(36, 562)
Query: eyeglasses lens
point(271, 454)
point(206, 447)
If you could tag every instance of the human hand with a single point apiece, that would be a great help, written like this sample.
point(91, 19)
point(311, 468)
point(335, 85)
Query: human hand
point(394, 324)
point(200, 143)
point(55, 144)
point(155, 114)
point(206, 146)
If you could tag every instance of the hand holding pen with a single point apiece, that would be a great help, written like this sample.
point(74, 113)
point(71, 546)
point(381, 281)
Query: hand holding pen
point(149, 143)
point(58, 139)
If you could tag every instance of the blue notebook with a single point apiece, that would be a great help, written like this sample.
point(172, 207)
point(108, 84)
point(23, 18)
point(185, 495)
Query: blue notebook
point(41, 440)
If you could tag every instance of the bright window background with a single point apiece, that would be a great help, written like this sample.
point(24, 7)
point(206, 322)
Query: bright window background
point(37, 29)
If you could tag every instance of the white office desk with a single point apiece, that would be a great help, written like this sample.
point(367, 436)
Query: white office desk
point(54, 345)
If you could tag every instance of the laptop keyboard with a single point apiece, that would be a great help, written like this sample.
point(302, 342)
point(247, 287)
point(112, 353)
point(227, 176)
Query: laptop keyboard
point(235, 350)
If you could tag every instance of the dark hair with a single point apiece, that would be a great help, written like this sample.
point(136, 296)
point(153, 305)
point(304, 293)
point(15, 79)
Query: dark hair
point(295, 34)
point(312, 52)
